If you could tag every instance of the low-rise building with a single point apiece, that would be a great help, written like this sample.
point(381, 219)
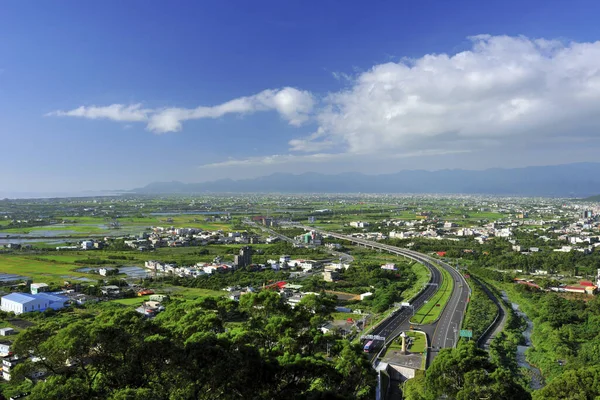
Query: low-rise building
point(7, 331)
point(365, 295)
point(389, 267)
point(39, 288)
point(24, 302)
point(4, 348)
point(330, 276)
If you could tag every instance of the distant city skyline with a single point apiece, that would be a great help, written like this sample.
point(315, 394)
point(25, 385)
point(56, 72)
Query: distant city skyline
point(202, 92)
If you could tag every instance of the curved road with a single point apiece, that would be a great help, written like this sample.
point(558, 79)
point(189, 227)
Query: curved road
point(444, 332)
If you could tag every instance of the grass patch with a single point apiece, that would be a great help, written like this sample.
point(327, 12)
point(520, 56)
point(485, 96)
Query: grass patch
point(422, 274)
point(39, 270)
point(419, 343)
point(430, 312)
point(133, 301)
point(343, 316)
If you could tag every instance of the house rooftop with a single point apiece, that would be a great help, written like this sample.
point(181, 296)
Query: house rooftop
point(24, 298)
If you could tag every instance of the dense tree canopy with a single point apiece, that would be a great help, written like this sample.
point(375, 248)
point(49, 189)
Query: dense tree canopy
point(193, 351)
point(465, 373)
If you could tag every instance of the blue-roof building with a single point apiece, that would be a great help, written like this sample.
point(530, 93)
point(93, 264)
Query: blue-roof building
point(24, 302)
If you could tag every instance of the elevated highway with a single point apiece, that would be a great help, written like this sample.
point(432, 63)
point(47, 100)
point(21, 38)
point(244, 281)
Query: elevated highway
point(445, 331)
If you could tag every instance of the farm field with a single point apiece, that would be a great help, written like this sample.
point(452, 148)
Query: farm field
point(86, 226)
point(48, 271)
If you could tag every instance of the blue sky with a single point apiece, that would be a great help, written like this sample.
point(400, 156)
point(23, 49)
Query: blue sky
point(113, 94)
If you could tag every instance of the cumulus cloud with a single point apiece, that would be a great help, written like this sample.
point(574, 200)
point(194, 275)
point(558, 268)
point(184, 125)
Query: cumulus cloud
point(502, 88)
point(115, 112)
point(292, 104)
point(499, 90)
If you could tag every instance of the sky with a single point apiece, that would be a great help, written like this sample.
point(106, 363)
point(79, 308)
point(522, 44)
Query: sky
point(114, 95)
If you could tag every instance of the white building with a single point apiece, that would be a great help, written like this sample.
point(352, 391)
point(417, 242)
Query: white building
point(6, 331)
point(336, 266)
point(87, 244)
point(39, 287)
point(389, 266)
point(365, 295)
point(4, 348)
point(23, 302)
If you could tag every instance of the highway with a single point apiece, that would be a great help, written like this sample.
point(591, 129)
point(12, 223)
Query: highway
point(441, 334)
point(343, 257)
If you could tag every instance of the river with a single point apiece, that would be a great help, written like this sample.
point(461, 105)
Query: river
point(537, 381)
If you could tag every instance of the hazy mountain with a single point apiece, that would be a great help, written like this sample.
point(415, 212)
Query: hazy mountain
point(569, 180)
point(592, 198)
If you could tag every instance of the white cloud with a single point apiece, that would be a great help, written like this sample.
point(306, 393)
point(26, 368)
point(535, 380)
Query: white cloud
point(341, 76)
point(276, 159)
point(317, 158)
point(310, 144)
point(115, 112)
point(292, 104)
point(501, 89)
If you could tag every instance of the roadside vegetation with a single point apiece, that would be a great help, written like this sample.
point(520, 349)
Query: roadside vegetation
point(431, 311)
point(464, 373)
point(481, 310)
point(566, 339)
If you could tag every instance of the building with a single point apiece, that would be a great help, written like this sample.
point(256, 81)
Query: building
point(311, 237)
point(244, 259)
point(336, 266)
point(7, 365)
point(150, 309)
point(159, 297)
point(110, 290)
point(4, 348)
point(389, 267)
point(87, 245)
point(39, 288)
point(365, 295)
point(23, 302)
point(330, 276)
point(7, 331)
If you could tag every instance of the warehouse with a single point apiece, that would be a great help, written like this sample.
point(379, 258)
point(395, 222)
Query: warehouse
point(23, 302)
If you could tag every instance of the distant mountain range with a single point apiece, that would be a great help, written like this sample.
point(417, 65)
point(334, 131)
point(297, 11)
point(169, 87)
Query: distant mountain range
point(568, 180)
point(593, 198)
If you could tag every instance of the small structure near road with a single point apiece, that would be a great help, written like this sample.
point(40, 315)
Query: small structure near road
point(404, 355)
